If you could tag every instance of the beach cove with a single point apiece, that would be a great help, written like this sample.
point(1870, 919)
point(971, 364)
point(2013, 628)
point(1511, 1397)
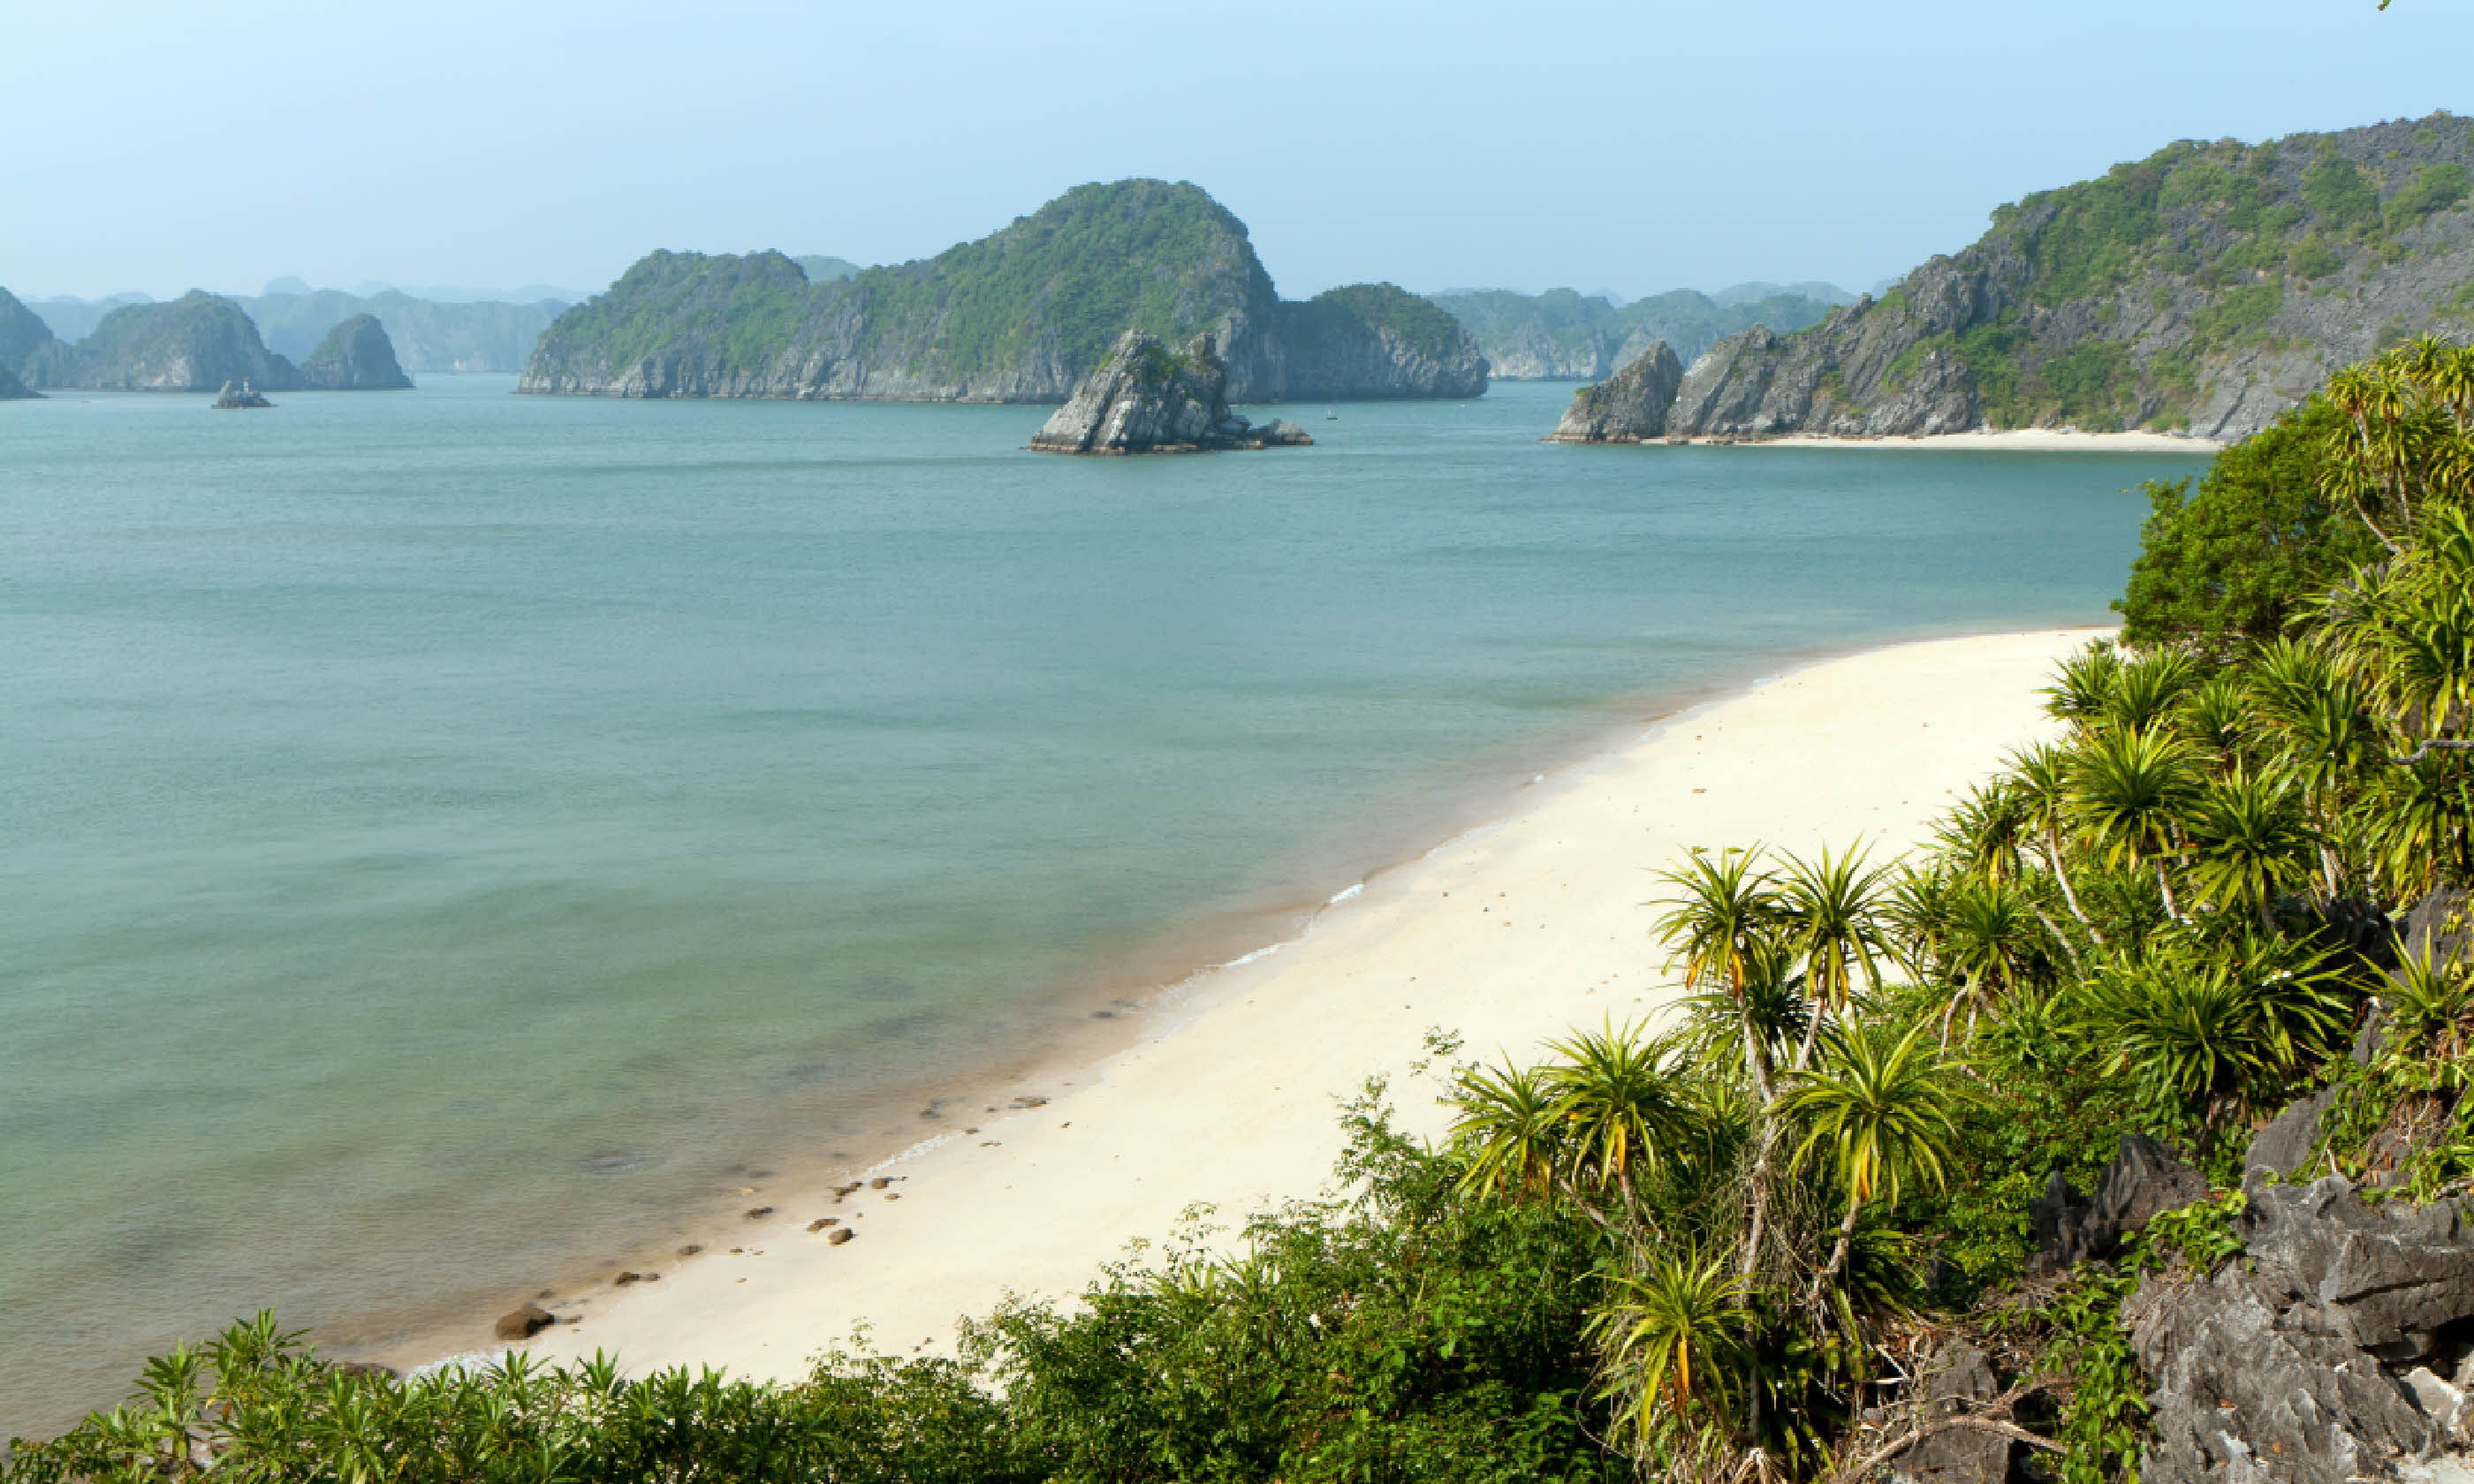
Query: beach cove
point(464, 840)
point(1506, 935)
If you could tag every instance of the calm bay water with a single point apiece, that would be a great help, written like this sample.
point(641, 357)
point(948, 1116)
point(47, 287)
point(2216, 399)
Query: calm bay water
point(451, 837)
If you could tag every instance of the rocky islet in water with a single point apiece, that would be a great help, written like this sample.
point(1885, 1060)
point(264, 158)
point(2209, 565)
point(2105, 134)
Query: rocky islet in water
point(1146, 398)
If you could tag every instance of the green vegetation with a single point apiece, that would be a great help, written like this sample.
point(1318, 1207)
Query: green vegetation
point(2340, 193)
point(1098, 259)
point(1418, 323)
point(1700, 1255)
point(2433, 188)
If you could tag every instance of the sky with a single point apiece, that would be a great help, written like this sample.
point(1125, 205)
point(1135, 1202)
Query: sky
point(1636, 146)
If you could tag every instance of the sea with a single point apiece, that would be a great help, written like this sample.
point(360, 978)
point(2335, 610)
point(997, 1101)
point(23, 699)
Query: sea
point(452, 841)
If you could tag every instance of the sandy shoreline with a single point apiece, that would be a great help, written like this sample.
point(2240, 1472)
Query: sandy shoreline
point(1507, 934)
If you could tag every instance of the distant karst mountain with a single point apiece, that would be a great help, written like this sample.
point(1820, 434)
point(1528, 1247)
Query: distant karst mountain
point(2207, 287)
point(355, 356)
point(1564, 336)
point(11, 390)
point(1019, 316)
point(482, 335)
point(197, 342)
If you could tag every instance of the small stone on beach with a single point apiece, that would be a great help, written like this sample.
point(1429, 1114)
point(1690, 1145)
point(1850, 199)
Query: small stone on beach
point(841, 1235)
point(690, 1249)
point(822, 1222)
point(758, 1212)
point(526, 1323)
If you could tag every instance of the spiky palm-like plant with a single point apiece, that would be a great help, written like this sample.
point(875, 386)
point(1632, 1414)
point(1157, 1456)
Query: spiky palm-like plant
point(1507, 1128)
point(2149, 691)
point(2129, 792)
point(1831, 909)
point(2081, 691)
point(2250, 841)
point(1621, 1105)
point(1677, 1336)
point(1884, 1113)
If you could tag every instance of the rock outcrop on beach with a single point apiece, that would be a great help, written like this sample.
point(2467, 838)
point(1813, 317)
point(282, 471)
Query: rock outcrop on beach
point(1146, 398)
point(194, 344)
point(2204, 289)
point(1020, 316)
point(355, 356)
point(1628, 408)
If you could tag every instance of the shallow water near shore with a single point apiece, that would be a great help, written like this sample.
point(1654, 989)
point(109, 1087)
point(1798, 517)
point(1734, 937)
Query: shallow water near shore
point(454, 838)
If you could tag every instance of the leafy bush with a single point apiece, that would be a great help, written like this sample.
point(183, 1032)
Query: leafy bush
point(2231, 561)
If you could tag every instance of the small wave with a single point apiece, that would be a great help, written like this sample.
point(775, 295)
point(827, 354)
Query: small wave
point(1345, 893)
point(1261, 953)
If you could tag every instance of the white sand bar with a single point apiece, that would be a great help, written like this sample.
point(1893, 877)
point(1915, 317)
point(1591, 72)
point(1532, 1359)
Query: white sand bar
point(1508, 934)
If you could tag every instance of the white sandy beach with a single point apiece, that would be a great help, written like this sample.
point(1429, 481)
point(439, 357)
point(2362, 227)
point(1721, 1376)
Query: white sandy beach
point(1508, 934)
point(2017, 440)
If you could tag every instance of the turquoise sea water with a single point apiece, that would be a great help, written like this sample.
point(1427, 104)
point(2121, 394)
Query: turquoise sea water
point(451, 837)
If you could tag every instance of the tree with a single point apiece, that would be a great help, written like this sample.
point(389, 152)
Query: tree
point(1830, 912)
point(2128, 790)
point(2229, 563)
point(1883, 1110)
point(2250, 840)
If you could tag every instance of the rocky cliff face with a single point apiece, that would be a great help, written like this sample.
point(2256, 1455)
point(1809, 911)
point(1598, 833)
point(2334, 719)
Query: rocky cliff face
point(22, 333)
point(355, 356)
point(1020, 316)
point(2206, 288)
point(12, 390)
point(194, 344)
point(1146, 398)
point(1628, 408)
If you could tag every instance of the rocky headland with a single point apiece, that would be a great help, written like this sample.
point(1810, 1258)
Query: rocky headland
point(355, 356)
point(1630, 407)
point(1020, 316)
point(1146, 398)
point(2203, 290)
point(11, 390)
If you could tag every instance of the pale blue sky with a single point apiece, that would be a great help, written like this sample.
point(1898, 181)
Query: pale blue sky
point(1630, 146)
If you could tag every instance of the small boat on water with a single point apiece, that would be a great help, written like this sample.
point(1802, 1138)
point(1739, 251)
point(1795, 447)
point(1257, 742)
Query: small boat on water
point(1329, 415)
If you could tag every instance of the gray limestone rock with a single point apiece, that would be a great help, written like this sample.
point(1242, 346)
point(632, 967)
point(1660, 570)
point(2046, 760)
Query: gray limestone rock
point(1146, 398)
point(1630, 407)
point(2145, 1180)
point(355, 356)
point(2313, 1360)
point(1958, 1374)
point(2286, 1143)
point(12, 389)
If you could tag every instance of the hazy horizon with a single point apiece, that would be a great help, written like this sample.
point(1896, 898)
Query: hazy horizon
point(1637, 149)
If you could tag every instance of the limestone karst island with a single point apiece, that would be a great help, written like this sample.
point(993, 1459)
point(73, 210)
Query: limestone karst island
point(1724, 745)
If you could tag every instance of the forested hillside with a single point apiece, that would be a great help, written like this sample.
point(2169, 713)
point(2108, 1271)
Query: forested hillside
point(2205, 288)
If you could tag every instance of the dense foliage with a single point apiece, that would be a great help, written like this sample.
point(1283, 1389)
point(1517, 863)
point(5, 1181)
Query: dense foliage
point(2285, 514)
point(1727, 1249)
